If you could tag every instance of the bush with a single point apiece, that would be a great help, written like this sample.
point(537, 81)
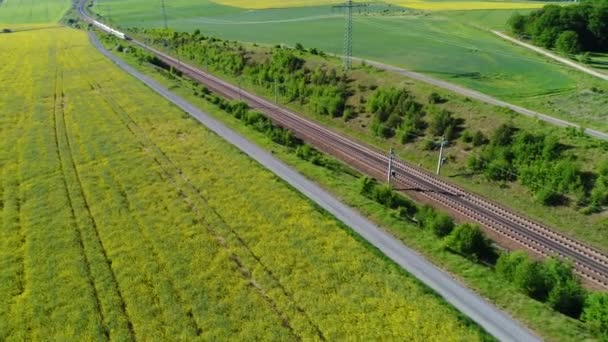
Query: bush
point(367, 186)
point(385, 195)
point(435, 98)
point(442, 123)
point(595, 314)
point(469, 240)
point(552, 281)
point(529, 276)
point(441, 225)
point(507, 263)
point(479, 139)
point(467, 136)
point(394, 109)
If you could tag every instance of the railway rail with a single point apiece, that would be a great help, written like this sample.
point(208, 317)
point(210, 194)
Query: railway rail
point(590, 263)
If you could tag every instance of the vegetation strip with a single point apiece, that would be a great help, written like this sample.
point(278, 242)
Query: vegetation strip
point(466, 301)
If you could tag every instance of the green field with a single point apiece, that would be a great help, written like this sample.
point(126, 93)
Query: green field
point(122, 218)
point(417, 4)
point(454, 46)
point(32, 11)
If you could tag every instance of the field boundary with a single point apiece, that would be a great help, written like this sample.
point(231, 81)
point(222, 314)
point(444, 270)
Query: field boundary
point(553, 56)
point(494, 321)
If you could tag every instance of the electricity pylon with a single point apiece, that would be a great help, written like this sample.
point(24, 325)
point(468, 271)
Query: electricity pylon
point(348, 32)
point(162, 3)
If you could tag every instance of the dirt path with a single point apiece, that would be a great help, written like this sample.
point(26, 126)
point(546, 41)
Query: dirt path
point(544, 52)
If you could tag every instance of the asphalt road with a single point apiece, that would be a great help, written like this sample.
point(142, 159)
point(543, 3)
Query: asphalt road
point(482, 97)
point(494, 321)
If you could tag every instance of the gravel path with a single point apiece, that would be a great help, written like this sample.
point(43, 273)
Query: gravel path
point(544, 52)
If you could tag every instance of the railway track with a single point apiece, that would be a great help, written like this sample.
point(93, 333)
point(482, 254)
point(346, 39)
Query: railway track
point(590, 263)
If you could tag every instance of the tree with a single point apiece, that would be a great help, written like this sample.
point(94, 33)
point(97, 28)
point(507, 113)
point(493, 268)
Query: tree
point(517, 22)
point(568, 42)
point(598, 25)
point(566, 293)
point(567, 297)
point(441, 121)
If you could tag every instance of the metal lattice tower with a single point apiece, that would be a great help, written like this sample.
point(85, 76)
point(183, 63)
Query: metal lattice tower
point(348, 37)
point(348, 32)
point(162, 3)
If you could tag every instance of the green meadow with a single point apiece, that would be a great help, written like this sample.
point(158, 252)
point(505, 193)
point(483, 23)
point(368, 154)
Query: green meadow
point(32, 11)
point(455, 46)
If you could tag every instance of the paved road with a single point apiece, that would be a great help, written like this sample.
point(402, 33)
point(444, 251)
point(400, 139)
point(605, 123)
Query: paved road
point(482, 97)
point(479, 310)
point(552, 56)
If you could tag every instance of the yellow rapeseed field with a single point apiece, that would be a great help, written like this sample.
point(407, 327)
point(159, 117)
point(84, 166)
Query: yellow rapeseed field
point(444, 5)
point(123, 219)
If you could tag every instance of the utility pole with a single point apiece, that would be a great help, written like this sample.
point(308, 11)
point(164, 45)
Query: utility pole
point(348, 32)
point(276, 91)
point(162, 4)
point(440, 162)
point(390, 173)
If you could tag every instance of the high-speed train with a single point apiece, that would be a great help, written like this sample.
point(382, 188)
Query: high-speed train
point(109, 30)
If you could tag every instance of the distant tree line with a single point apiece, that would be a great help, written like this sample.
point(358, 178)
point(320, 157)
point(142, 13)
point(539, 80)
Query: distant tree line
point(569, 29)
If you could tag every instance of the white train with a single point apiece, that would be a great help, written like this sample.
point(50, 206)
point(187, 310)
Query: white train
point(109, 30)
